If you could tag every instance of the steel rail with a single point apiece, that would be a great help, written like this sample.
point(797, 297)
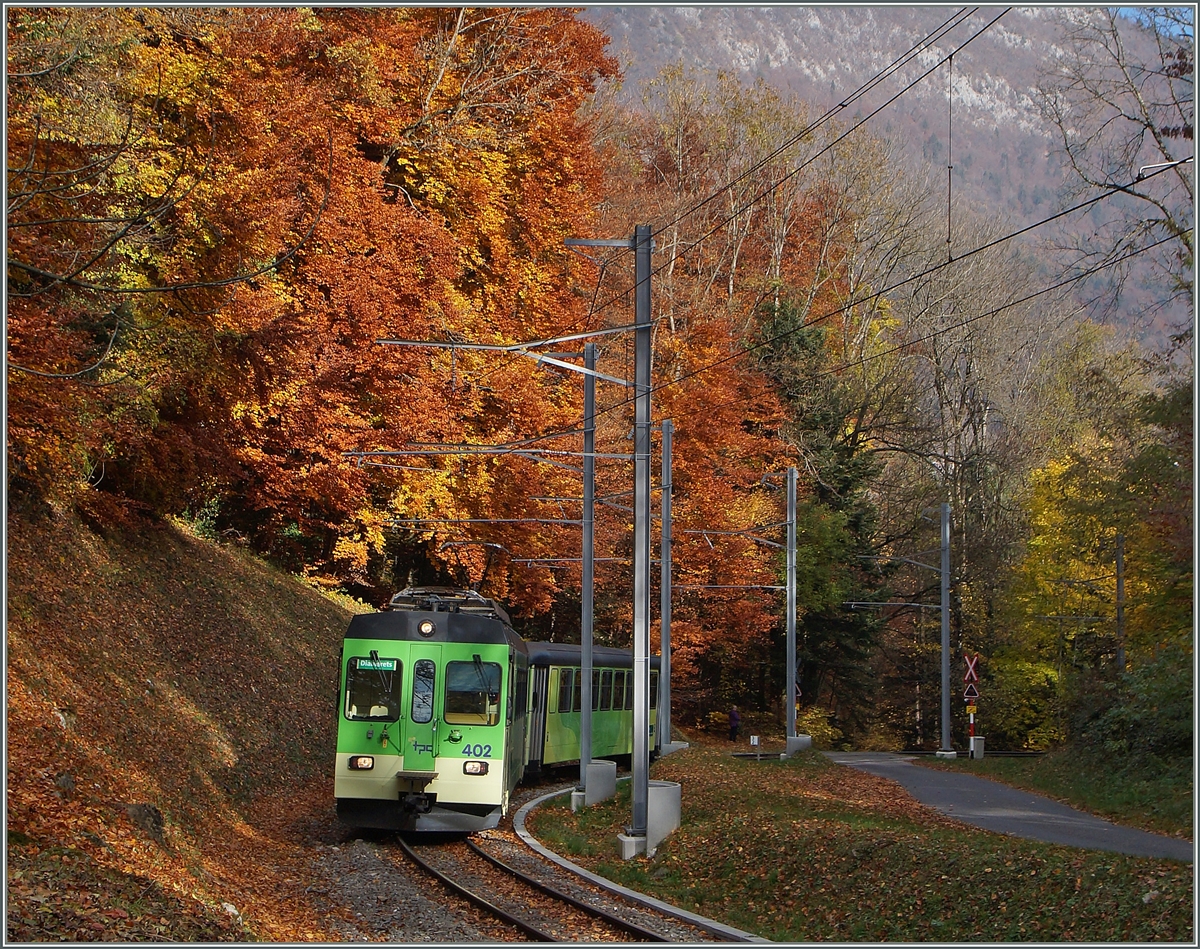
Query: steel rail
point(475, 898)
point(646, 935)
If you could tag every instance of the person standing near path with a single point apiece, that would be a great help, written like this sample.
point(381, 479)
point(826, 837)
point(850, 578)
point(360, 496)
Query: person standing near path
point(735, 722)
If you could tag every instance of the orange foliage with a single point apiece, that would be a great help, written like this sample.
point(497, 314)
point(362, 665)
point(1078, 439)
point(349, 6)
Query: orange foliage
point(735, 228)
point(320, 179)
point(459, 166)
point(344, 175)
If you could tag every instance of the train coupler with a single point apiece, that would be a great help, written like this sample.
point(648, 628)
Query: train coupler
point(417, 803)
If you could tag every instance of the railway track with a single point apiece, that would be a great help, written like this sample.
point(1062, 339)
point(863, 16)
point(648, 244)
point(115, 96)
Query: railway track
point(539, 910)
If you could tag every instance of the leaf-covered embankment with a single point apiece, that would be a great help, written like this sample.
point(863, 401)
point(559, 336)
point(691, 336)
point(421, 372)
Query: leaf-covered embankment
point(169, 701)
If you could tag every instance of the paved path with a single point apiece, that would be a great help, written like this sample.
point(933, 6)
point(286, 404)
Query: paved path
point(1007, 810)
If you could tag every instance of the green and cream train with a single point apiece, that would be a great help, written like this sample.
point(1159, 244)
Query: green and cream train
point(444, 709)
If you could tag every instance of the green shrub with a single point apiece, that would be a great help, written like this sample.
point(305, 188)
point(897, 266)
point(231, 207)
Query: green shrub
point(1151, 713)
point(203, 523)
point(815, 723)
point(1020, 704)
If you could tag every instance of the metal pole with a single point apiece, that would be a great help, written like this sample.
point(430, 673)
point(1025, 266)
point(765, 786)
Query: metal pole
point(641, 534)
point(946, 746)
point(791, 602)
point(664, 669)
point(589, 489)
point(1121, 603)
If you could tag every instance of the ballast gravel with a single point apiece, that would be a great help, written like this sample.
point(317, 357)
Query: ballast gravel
point(369, 892)
point(390, 900)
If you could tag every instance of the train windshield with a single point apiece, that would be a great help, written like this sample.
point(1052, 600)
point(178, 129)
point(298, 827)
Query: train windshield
point(472, 693)
point(424, 672)
point(372, 689)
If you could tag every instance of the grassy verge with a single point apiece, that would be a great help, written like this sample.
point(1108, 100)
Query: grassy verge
point(1156, 799)
point(806, 850)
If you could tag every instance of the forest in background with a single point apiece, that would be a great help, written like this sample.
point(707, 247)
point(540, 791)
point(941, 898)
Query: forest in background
point(213, 215)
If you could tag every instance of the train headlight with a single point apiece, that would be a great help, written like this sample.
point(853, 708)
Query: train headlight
point(361, 762)
point(425, 627)
point(475, 767)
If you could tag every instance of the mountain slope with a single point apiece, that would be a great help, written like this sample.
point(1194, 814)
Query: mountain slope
point(1002, 150)
point(1004, 155)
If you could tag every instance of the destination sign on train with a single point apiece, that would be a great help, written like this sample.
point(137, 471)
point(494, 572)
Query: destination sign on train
point(388, 665)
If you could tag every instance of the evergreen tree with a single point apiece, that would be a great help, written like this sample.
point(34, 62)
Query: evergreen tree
point(836, 521)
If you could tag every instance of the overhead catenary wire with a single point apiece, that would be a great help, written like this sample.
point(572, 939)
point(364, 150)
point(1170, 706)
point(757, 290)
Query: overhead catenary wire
point(913, 342)
point(884, 74)
point(887, 72)
point(1110, 192)
point(800, 167)
point(908, 344)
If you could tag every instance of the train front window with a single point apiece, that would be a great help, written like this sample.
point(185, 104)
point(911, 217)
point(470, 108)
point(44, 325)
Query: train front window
point(473, 692)
point(422, 697)
point(372, 689)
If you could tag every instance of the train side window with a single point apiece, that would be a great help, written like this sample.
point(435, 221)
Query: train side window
point(512, 685)
point(564, 689)
point(473, 692)
point(629, 690)
point(424, 672)
point(618, 689)
point(653, 689)
point(606, 684)
point(595, 690)
point(522, 693)
point(577, 701)
point(372, 689)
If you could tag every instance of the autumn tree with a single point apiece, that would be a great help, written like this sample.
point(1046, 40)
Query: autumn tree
point(118, 250)
point(1126, 482)
point(479, 154)
point(202, 280)
point(1120, 99)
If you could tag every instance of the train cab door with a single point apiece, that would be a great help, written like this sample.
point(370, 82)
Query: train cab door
point(420, 742)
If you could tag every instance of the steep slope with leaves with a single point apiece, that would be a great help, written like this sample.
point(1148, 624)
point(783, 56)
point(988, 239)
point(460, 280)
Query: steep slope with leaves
point(160, 687)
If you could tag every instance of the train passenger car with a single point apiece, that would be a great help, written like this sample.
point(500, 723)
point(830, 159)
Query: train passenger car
point(555, 717)
point(431, 730)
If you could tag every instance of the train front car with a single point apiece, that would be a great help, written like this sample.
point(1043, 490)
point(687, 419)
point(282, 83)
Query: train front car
point(431, 730)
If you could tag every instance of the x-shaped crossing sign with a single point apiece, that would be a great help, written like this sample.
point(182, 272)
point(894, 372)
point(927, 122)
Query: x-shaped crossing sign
point(971, 675)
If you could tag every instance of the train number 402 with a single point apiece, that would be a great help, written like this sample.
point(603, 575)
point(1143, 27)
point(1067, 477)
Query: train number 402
point(477, 751)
